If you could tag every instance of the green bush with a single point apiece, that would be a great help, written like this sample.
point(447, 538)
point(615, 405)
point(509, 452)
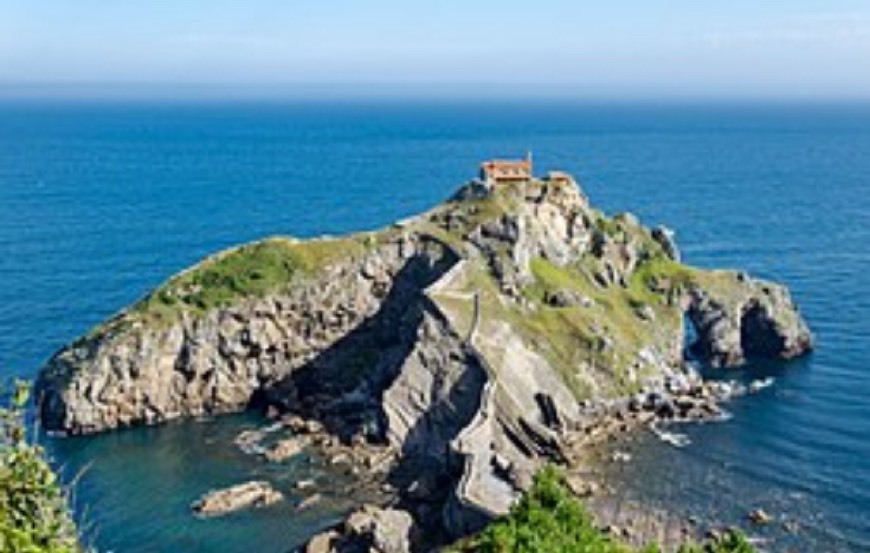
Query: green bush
point(34, 517)
point(549, 519)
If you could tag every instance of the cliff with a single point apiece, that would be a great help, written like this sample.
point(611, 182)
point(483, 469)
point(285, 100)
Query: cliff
point(466, 337)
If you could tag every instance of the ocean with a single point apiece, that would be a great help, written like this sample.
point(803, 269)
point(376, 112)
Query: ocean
point(101, 201)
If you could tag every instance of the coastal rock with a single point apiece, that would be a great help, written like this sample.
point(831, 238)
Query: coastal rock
point(387, 530)
point(235, 498)
point(462, 341)
point(738, 318)
point(140, 369)
point(309, 502)
point(285, 449)
point(369, 529)
point(323, 542)
point(665, 237)
point(760, 517)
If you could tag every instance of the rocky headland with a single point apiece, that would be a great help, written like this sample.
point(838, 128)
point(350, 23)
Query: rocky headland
point(451, 354)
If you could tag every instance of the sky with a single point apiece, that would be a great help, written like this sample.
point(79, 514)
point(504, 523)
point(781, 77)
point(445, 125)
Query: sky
point(613, 48)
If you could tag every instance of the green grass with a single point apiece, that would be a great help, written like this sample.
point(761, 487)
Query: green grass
point(549, 519)
point(574, 334)
point(572, 337)
point(252, 270)
point(34, 516)
point(660, 273)
point(567, 337)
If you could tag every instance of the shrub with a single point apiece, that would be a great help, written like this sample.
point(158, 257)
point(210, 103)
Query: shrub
point(549, 519)
point(34, 516)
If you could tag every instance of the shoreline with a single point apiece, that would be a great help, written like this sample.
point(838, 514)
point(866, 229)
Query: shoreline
point(682, 398)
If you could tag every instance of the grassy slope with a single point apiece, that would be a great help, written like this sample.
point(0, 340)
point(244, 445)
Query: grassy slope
point(574, 337)
point(248, 271)
point(605, 336)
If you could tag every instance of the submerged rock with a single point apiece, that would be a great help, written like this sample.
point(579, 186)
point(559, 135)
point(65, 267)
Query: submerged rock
point(309, 502)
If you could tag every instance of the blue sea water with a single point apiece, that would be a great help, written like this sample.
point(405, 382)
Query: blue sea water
point(100, 202)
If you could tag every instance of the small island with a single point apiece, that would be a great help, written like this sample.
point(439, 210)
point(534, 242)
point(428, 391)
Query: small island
point(448, 357)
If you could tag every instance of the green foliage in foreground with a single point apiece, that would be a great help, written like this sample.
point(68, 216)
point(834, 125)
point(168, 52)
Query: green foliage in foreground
point(549, 519)
point(34, 517)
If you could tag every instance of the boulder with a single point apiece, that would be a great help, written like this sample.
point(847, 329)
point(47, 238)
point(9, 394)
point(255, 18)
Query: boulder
point(388, 530)
point(235, 498)
point(759, 516)
point(284, 449)
point(323, 542)
point(665, 237)
point(309, 501)
point(566, 298)
point(249, 441)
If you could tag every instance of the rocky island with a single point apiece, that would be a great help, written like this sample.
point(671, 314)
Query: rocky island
point(454, 353)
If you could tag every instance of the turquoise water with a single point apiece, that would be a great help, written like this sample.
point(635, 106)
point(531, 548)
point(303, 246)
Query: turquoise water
point(99, 203)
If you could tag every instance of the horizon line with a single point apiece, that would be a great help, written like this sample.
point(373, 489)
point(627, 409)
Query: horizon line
point(370, 90)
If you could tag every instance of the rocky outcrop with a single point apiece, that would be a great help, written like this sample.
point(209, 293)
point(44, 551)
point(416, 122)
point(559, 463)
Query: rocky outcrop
point(437, 391)
point(235, 498)
point(463, 342)
point(134, 371)
point(369, 529)
point(285, 449)
point(665, 237)
point(738, 318)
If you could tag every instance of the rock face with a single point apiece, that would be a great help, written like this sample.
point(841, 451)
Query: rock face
point(742, 318)
point(464, 338)
point(135, 371)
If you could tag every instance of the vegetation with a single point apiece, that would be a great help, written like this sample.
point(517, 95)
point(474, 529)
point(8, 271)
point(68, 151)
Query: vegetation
point(252, 270)
point(594, 343)
point(576, 334)
point(549, 519)
point(34, 516)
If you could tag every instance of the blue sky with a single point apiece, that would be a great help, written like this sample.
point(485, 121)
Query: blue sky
point(681, 48)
